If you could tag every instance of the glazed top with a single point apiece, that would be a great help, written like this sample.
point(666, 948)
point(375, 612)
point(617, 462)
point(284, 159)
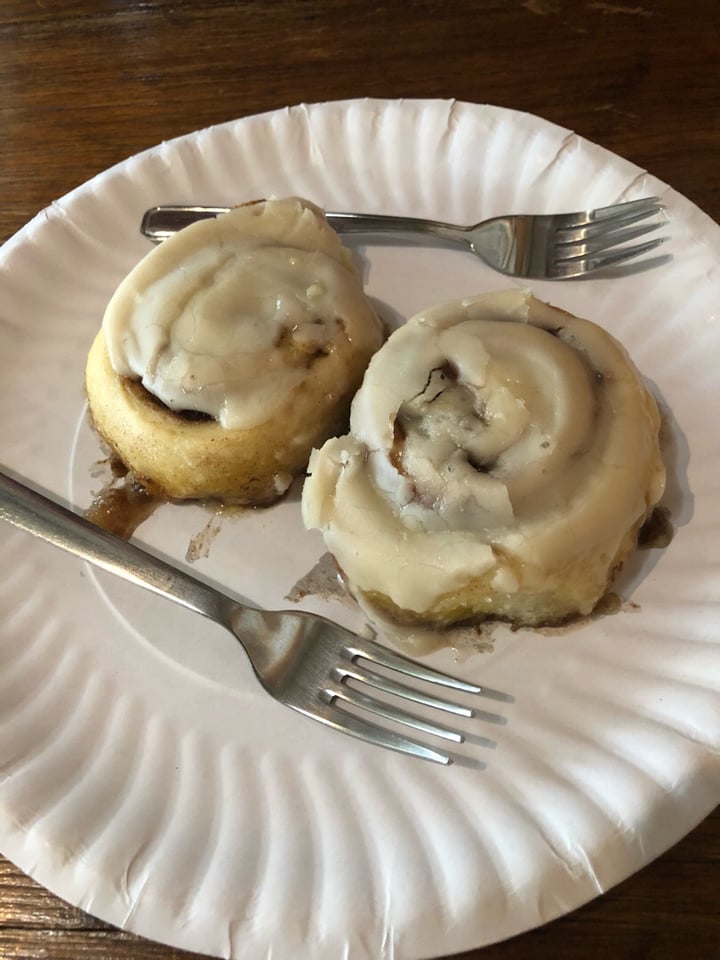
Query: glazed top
point(226, 316)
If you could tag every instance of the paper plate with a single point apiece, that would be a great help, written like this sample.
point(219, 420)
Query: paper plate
point(145, 777)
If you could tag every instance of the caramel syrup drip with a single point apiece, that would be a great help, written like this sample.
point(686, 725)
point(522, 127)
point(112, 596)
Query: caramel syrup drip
point(120, 509)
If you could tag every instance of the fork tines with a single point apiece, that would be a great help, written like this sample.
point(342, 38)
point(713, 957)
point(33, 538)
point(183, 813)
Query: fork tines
point(602, 237)
point(608, 221)
point(361, 685)
point(627, 210)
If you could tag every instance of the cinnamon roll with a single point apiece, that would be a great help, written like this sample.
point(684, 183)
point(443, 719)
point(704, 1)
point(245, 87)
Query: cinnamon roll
point(230, 351)
point(502, 457)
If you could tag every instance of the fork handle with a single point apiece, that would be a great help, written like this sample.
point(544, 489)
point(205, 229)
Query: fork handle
point(354, 223)
point(44, 518)
point(161, 222)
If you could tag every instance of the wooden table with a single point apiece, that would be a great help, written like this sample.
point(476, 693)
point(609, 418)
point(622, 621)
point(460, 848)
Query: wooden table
point(85, 84)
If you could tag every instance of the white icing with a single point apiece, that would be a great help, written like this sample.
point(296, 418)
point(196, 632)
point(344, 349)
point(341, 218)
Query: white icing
point(495, 435)
point(224, 317)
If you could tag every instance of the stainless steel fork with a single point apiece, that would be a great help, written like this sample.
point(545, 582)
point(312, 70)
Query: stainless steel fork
point(543, 247)
point(304, 661)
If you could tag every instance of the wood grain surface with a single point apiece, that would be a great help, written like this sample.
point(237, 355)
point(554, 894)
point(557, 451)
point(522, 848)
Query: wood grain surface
point(85, 84)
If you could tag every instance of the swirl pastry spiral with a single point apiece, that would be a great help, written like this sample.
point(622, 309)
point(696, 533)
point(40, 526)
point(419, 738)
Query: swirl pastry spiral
point(503, 455)
point(230, 351)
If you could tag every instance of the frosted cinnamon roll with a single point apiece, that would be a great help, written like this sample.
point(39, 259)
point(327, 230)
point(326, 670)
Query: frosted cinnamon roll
point(503, 455)
point(230, 351)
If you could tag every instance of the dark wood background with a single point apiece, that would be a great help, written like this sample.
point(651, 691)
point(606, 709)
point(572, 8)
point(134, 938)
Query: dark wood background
point(85, 84)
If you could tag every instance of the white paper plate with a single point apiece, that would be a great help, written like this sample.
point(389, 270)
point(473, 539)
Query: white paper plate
point(145, 777)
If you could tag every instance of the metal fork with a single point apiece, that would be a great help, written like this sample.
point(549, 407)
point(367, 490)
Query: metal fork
point(304, 661)
point(542, 247)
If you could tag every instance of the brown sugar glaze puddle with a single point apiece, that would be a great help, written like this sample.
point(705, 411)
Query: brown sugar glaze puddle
point(122, 504)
